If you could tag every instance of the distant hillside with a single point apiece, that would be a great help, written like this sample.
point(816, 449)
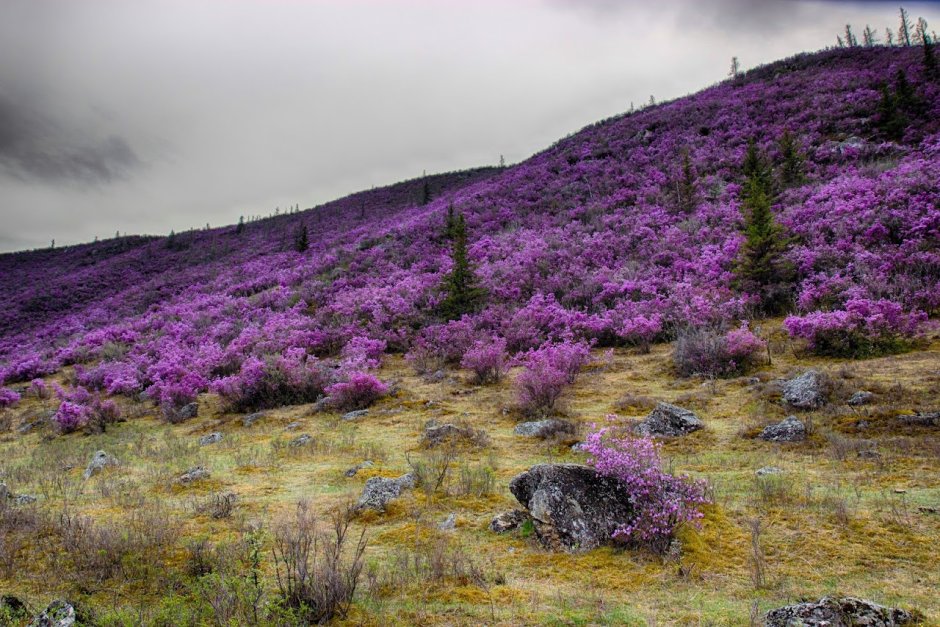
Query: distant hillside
point(608, 230)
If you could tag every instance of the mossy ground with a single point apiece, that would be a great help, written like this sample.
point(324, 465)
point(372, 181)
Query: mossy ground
point(833, 522)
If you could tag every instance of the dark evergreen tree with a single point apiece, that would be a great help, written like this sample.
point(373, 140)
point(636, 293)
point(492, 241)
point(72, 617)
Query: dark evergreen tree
point(762, 269)
point(462, 294)
point(791, 170)
point(904, 30)
point(450, 222)
point(241, 225)
point(930, 62)
point(301, 240)
point(425, 192)
point(685, 188)
point(891, 120)
point(850, 40)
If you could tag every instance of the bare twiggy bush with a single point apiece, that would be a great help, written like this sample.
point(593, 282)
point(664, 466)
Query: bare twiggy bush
point(635, 403)
point(432, 468)
point(317, 573)
point(218, 505)
point(756, 560)
point(477, 480)
point(774, 490)
point(842, 447)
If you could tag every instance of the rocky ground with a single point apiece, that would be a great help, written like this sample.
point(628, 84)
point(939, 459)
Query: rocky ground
point(823, 485)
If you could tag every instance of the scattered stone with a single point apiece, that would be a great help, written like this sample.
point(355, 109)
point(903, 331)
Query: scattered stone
point(353, 415)
point(449, 523)
point(790, 429)
point(544, 428)
point(351, 472)
point(378, 491)
point(251, 419)
point(573, 507)
point(930, 419)
point(58, 614)
point(23, 499)
point(807, 391)
point(435, 434)
point(294, 425)
point(668, 420)
point(837, 612)
point(99, 461)
point(212, 438)
point(198, 473)
point(869, 454)
point(768, 470)
point(862, 397)
point(507, 521)
point(301, 440)
point(176, 415)
point(436, 377)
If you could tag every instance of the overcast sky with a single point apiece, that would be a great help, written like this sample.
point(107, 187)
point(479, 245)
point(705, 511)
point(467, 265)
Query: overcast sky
point(143, 116)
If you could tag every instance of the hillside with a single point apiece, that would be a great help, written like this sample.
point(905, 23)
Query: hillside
point(599, 260)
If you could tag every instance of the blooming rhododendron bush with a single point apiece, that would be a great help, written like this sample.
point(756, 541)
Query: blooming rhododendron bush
point(583, 244)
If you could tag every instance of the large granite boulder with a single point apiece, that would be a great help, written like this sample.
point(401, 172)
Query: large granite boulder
point(790, 429)
point(837, 612)
point(667, 420)
point(573, 507)
point(379, 491)
point(807, 391)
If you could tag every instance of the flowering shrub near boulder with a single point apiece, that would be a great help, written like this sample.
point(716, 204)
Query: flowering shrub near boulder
point(358, 392)
point(707, 352)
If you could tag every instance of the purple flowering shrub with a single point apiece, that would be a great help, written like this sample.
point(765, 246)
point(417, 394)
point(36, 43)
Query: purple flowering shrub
point(862, 328)
point(641, 331)
point(363, 353)
point(8, 398)
point(661, 501)
point(292, 379)
point(39, 389)
point(487, 359)
point(547, 371)
point(80, 409)
point(358, 391)
point(441, 345)
point(71, 416)
point(708, 352)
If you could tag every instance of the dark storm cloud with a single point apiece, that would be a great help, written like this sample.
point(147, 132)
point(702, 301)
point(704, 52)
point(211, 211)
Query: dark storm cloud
point(36, 147)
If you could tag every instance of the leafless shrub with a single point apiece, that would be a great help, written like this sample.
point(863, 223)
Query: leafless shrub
point(635, 403)
point(217, 505)
point(199, 557)
point(477, 480)
point(432, 468)
point(774, 490)
point(841, 447)
point(439, 558)
point(756, 560)
point(317, 574)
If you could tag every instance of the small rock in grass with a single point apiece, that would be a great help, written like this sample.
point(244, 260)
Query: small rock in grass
point(353, 415)
point(99, 461)
point(379, 491)
point(212, 438)
point(294, 425)
point(862, 397)
point(837, 612)
point(507, 521)
point(192, 475)
point(768, 470)
point(251, 419)
point(790, 429)
point(807, 391)
point(449, 523)
point(669, 421)
point(544, 428)
point(23, 499)
point(351, 472)
point(301, 440)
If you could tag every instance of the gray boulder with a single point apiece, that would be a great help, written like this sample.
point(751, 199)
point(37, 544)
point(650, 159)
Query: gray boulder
point(507, 521)
point(176, 415)
point(197, 473)
point(351, 472)
point(301, 441)
point(862, 397)
point(837, 612)
point(294, 425)
point(379, 491)
point(667, 420)
point(544, 428)
point(807, 391)
point(790, 429)
point(768, 470)
point(573, 507)
point(23, 499)
point(354, 415)
point(251, 419)
point(449, 523)
point(99, 461)
point(212, 438)
point(58, 614)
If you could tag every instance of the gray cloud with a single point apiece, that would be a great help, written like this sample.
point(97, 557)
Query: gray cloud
point(154, 115)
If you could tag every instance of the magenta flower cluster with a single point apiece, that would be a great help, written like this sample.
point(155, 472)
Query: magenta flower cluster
point(546, 372)
point(8, 397)
point(487, 359)
point(661, 501)
point(358, 391)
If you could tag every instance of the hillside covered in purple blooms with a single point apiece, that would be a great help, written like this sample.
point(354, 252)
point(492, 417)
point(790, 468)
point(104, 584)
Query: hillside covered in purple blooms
point(625, 233)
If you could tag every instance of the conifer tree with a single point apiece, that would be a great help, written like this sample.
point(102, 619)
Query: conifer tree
point(889, 37)
point(850, 40)
point(241, 225)
point(761, 268)
point(301, 240)
point(904, 30)
point(425, 192)
point(463, 295)
point(890, 119)
point(930, 62)
point(868, 37)
point(685, 188)
point(791, 171)
point(450, 222)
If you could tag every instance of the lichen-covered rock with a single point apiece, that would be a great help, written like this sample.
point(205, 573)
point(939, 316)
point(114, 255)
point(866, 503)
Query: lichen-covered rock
point(58, 614)
point(790, 429)
point(354, 415)
point(379, 491)
point(449, 523)
point(573, 507)
point(435, 434)
point(301, 440)
point(862, 397)
point(211, 438)
point(351, 472)
point(807, 391)
point(197, 473)
point(768, 470)
point(251, 419)
point(507, 521)
point(667, 420)
point(99, 461)
point(544, 428)
point(176, 415)
point(837, 612)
